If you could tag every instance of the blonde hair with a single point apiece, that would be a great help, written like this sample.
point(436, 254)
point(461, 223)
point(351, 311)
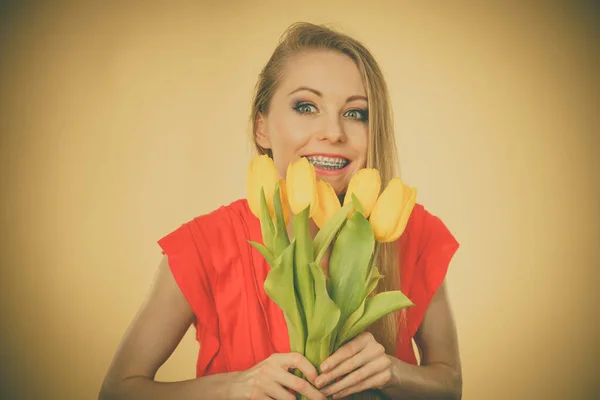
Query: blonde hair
point(381, 153)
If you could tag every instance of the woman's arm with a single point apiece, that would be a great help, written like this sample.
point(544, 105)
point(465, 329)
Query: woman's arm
point(149, 341)
point(439, 376)
point(155, 333)
point(362, 363)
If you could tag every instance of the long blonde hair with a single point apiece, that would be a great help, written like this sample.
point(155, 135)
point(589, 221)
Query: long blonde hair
point(382, 153)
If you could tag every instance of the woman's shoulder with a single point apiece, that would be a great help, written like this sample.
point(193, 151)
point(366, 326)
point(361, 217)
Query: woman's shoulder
point(220, 217)
point(423, 226)
point(211, 229)
point(426, 248)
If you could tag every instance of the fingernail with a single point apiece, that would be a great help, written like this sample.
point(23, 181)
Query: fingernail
point(324, 367)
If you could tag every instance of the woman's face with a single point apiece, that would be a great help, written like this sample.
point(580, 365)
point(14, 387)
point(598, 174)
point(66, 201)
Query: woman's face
point(319, 111)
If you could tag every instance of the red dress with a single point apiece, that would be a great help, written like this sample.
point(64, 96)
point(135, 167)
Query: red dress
point(237, 324)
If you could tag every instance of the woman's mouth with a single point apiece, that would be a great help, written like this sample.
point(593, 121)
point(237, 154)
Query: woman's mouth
point(327, 163)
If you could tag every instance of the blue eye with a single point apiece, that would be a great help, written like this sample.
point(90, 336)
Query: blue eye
point(362, 115)
point(305, 108)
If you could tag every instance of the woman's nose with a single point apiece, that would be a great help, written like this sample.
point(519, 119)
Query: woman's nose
point(333, 131)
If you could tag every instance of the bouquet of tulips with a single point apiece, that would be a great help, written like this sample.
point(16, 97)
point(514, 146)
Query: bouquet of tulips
point(322, 311)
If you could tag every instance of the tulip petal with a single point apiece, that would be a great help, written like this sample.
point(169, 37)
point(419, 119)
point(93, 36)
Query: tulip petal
point(285, 205)
point(261, 173)
point(366, 185)
point(302, 186)
point(328, 203)
point(388, 211)
point(407, 208)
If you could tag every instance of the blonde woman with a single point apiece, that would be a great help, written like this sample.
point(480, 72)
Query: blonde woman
point(321, 96)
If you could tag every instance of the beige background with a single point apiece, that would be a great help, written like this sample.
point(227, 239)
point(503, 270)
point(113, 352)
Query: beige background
point(118, 123)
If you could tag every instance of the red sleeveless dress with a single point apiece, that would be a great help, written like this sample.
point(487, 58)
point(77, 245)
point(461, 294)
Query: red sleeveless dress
point(237, 324)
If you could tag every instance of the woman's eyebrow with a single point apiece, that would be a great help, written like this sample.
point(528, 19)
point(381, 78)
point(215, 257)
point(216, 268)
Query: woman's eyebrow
point(349, 99)
point(306, 88)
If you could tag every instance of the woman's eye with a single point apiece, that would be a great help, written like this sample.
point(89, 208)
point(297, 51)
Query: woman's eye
point(357, 114)
point(305, 108)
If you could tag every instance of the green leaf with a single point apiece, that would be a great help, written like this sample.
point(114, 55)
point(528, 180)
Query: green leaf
point(303, 257)
point(375, 308)
point(266, 224)
point(357, 206)
point(324, 320)
point(281, 241)
point(349, 264)
point(329, 231)
point(348, 324)
point(373, 280)
point(266, 253)
point(279, 286)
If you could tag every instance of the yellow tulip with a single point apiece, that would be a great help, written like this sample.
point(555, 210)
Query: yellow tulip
point(301, 183)
point(261, 173)
point(328, 203)
point(365, 184)
point(392, 210)
point(285, 205)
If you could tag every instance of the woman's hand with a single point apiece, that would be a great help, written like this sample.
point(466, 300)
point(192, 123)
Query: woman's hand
point(363, 361)
point(271, 379)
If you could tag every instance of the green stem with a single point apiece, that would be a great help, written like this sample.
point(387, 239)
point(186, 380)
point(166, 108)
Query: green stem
point(303, 280)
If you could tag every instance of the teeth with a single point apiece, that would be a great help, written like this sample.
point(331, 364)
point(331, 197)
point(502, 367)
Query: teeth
point(328, 162)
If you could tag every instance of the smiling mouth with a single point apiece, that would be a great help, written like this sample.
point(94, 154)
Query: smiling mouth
point(329, 163)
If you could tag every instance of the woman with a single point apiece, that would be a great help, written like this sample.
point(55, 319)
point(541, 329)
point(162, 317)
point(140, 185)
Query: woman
point(323, 97)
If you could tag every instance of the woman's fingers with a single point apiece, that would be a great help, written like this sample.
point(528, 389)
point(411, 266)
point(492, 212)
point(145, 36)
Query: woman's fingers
point(346, 351)
point(351, 364)
point(357, 377)
point(298, 385)
point(374, 381)
point(274, 390)
point(297, 360)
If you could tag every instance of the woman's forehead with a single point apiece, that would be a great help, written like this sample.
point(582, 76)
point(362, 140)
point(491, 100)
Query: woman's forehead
point(330, 73)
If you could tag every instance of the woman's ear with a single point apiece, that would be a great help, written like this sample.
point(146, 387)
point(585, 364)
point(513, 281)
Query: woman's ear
point(260, 132)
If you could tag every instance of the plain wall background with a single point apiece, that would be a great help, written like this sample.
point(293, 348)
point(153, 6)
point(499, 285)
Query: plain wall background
point(120, 122)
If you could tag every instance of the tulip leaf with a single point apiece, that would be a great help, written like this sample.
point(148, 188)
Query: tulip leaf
point(266, 253)
point(375, 308)
point(348, 324)
point(329, 231)
point(281, 240)
point(373, 280)
point(349, 264)
point(279, 286)
point(324, 320)
point(303, 256)
point(357, 206)
point(266, 224)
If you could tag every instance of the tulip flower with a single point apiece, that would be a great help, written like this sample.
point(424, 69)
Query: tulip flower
point(262, 174)
point(392, 210)
point(329, 203)
point(301, 183)
point(325, 312)
point(365, 185)
point(284, 200)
